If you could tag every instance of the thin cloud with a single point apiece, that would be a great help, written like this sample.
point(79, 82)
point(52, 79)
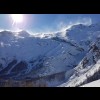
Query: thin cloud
point(62, 26)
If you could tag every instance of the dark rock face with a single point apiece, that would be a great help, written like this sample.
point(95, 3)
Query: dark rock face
point(10, 65)
point(0, 65)
point(85, 61)
point(20, 67)
point(95, 48)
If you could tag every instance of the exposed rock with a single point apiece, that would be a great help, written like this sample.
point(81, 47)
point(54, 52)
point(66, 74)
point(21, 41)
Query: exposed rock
point(20, 67)
point(10, 65)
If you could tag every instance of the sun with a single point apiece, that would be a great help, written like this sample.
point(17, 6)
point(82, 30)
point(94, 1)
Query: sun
point(17, 18)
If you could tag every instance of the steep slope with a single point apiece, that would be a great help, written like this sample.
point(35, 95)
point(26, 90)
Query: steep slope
point(88, 69)
point(83, 35)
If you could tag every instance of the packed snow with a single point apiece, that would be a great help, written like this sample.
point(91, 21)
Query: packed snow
point(92, 84)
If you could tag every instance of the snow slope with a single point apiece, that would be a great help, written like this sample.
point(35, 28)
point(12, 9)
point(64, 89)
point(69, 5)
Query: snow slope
point(88, 69)
point(92, 84)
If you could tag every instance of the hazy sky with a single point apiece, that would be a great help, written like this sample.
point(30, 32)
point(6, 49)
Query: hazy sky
point(48, 22)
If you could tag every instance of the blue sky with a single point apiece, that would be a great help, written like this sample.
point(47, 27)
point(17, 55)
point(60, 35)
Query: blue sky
point(48, 22)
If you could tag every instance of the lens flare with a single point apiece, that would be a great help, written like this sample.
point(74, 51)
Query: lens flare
point(17, 18)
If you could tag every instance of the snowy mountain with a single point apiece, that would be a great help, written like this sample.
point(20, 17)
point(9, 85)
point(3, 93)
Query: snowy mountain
point(88, 69)
point(68, 58)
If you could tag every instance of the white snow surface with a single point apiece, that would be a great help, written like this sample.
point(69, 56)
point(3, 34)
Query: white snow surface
point(92, 84)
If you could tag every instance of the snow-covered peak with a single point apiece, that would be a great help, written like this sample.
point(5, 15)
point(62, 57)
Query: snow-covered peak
point(24, 33)
point(78, 26)
point(82, 34)
point(6, 33)
point(82, 26)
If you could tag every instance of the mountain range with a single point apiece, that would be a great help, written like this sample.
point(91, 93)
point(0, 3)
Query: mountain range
point(64, 59)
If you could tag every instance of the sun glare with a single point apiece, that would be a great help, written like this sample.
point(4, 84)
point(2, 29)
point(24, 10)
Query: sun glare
point(17, 18)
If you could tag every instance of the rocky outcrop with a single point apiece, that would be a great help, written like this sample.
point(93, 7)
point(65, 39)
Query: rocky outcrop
point(21, 66)
point(9, 66)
